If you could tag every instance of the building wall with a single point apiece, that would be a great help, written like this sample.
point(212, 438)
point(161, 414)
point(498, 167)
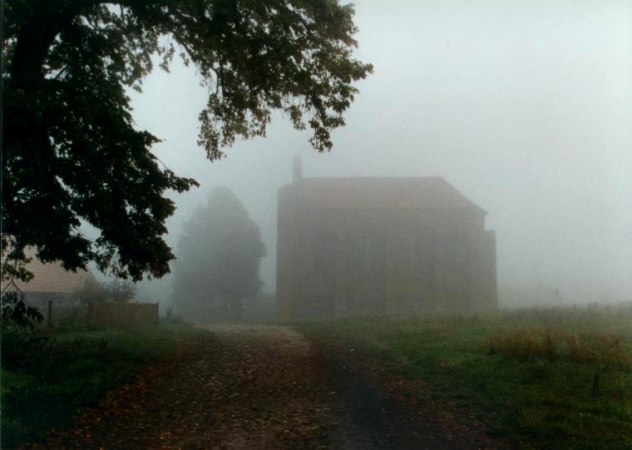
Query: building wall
point(337, 262)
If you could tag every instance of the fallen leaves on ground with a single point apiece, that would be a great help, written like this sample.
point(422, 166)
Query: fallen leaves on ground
point(238, 388)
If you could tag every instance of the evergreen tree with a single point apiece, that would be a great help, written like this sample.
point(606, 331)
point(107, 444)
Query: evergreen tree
point(217, 269)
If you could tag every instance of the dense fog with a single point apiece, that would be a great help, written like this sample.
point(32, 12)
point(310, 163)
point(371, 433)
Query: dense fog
point(524, 106)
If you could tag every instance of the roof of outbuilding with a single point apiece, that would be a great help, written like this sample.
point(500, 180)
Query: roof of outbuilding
point(53, 278)
point(392, 193)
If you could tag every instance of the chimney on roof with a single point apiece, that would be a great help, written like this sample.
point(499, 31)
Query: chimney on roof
point(297, 170)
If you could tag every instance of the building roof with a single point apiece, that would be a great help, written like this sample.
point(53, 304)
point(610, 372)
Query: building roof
point(391, 193)
point(53, 278)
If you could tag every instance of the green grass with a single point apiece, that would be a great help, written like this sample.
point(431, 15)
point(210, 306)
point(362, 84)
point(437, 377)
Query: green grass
point(47, 379)
point(529, 374)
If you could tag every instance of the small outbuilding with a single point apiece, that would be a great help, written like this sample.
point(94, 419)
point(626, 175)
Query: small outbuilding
point(51, 282)
point(353, 246)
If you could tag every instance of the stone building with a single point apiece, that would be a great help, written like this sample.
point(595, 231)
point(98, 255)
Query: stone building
point(353, 246)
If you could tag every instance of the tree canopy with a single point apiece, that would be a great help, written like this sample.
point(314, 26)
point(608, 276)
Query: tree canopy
point(218, 260)
point(71, 152)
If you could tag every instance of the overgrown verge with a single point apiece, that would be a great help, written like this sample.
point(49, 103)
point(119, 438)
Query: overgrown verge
point(540, 379)
point(48, 378)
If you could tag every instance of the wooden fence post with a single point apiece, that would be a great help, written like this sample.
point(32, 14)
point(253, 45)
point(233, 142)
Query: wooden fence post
point(50, 314)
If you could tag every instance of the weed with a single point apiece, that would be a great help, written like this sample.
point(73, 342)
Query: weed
point(560, 345)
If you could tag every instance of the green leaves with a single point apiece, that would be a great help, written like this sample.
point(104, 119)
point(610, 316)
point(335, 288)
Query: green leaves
point(71, 151)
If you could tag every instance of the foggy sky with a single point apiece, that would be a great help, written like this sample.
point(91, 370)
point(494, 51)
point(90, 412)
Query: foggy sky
point(524, 106)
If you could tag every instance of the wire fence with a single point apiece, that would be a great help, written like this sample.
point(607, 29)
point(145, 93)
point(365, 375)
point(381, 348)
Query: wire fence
point(98, 314)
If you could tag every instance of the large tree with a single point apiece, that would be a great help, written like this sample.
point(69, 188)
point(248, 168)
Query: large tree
point(71, 153)
point(218, 260)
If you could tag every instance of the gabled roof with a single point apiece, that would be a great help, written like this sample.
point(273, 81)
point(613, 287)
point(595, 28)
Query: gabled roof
point(53, 278)
point(389, 193)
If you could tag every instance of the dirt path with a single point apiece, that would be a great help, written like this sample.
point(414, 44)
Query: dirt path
point(254, 387)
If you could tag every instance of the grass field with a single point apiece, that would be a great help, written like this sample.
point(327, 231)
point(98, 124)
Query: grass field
point(48, 378)
point(551, 379)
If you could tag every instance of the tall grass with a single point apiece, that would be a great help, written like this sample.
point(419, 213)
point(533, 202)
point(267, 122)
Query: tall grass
point(561, 345)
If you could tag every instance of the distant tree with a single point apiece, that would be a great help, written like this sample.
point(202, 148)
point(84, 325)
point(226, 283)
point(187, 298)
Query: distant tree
point(120, 291)
point(217, 268)
point(70, 150)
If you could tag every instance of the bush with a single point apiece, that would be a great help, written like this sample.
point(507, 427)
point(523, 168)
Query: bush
point(113, 291)
point(15, 311)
